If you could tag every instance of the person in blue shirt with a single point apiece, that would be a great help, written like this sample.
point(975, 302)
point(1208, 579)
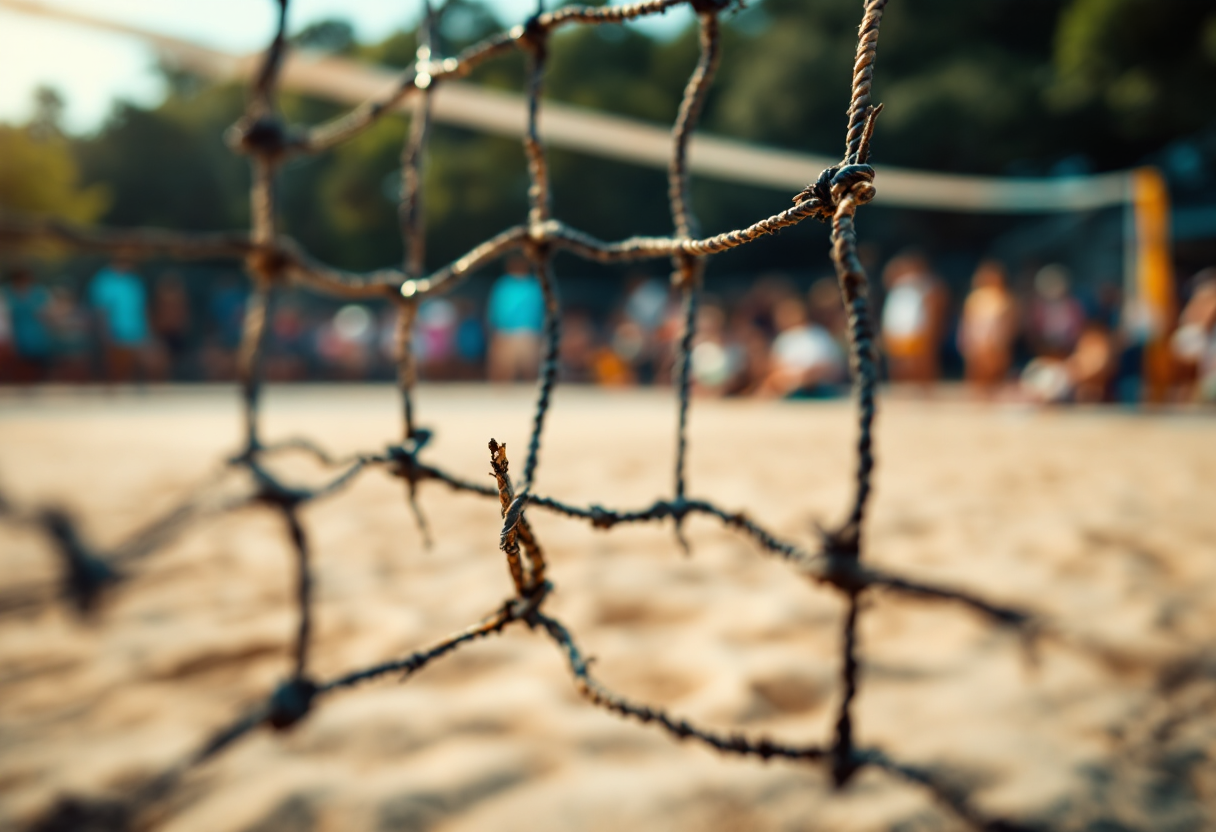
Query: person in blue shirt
point(28, 309)
point(120, 302)
point(516, 313)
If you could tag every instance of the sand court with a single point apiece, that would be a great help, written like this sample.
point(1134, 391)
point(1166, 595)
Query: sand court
point(1099, 520)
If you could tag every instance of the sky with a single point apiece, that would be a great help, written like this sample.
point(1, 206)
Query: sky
point(92, 69)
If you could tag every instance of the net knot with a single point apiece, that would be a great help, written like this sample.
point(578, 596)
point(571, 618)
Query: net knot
point(405, 455)
point(268, 262)
point(833, 184)
point(86, 575)
point(291, 702)
point(679, 508)
point(601, 518)
point(685, 274)
point(420, 438)
point(530, 34)
point(265, 136)
point(820, 192)
point(525, 607)
point(856, 180)
point(842, 543)
point(845, 763)
point(844, 572)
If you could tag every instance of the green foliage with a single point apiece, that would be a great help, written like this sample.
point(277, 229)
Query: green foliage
point(333, 36)
point(960, 81)
point(619, 70)
point(997, 86)
point(169, 166)
point(1145, 68)
point(39, 177)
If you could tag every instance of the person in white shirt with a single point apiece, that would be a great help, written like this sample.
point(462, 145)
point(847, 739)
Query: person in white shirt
point(1194, 342)
point(912, 320)
point(804, 356)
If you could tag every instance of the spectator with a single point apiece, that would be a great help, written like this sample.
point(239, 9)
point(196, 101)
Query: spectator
point(632, 345)
point(1139, 326)
point(171, 322)
point(435, 337)
point(1107, 305)
point(666, 342)
point(7, 356)
point(286, 351)
point(516, 316)
point(120, 303)
point(28, 307)
point(752, 345)
point(988, 328)
point(762, 299)
point(345, 343)
point(827, 308)
point(646, 303)
point(806, 361)
point(225, 315)
point(609, 366)
point(578, 350)
point(913, 319)
point(1092, 365)
point(635, 339)
point(469, 341)
point(1194, 342)
point(1056, 317)
point(1083, 376)
point(714, 363)
point(71, 341)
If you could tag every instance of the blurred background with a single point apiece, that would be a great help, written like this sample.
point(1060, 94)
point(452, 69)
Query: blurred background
point(1048, 231)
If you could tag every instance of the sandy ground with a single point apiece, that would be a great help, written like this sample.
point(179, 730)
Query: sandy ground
point(1102, 521)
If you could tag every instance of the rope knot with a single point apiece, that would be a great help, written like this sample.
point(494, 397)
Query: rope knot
point(291, 702)
point(420, 438)
point(842, 543)
point(679, 509)
point(268, 262)
point(265, 136)
point(834, 184)
point(820, 192)
point(405, 455)
point(86, 576)
point(601, 518)
point(685, 273)
point(531, 34)
point(855, 180)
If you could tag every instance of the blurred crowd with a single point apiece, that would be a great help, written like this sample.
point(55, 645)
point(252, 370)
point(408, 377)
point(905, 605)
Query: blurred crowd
point(1050, 344)
point(1047, 343)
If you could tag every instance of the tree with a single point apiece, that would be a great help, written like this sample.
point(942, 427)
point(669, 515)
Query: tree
point(39, 175)
point(994, 87)
point(1144, 70)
